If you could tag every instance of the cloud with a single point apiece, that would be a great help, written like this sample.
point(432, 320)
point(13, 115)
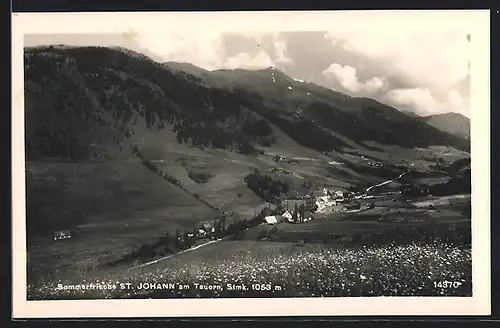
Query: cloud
point(208, 50)
point(280, 52)
point(424, 102)
point(202, 49)
point(347, 78)
point(246, 61)
point(431, 66)
point(257, 36)
point(435, 60)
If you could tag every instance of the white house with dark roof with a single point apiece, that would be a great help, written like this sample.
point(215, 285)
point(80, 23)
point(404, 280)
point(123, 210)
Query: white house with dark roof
point(287, 215)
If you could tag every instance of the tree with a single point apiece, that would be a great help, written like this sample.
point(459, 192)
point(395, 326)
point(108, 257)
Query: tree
point(186, 238)
point(177, 238)
point(295, 215)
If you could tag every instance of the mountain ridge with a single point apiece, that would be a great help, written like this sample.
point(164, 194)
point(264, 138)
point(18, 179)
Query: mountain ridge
point(113, 89)
point(451, 122)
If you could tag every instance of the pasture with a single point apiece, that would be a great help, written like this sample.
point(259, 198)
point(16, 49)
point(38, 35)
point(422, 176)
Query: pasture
point(110, 207)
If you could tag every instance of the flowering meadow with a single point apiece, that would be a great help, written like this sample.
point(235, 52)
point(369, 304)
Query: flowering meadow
point(310, 271)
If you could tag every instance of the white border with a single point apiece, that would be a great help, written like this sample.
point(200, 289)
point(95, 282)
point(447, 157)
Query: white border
point(477, 22)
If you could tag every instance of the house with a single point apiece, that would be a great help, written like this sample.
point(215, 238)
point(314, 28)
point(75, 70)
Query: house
point(290, 216)
point(271, 219)
point(59, 235)
point(207, 228)
point(287, 215)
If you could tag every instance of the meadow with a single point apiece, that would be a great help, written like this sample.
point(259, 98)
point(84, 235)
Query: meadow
point(310, 271)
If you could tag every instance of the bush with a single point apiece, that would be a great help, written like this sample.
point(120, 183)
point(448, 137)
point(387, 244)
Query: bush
point(200, 176)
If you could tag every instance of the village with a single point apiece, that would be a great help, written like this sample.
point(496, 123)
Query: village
point(322, 202)
point(319, 203)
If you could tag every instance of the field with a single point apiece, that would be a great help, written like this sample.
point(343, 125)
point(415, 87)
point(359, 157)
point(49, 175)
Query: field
point(312, 270)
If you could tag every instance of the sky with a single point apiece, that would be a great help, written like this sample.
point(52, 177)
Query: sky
point(422, 72)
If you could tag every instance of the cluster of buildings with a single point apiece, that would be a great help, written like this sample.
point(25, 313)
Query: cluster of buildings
point(280, 159)
point(205, 230)
point(376, 164)
point(60, 235)
point(290, 216)
point(328, 198)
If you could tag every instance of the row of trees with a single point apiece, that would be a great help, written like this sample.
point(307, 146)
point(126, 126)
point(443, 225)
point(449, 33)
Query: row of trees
point(457, 185)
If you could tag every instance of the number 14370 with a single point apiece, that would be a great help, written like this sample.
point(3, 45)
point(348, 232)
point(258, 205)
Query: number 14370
point(447, 284)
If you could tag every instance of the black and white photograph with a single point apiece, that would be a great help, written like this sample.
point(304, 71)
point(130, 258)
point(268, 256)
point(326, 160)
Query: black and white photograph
point(326, 161)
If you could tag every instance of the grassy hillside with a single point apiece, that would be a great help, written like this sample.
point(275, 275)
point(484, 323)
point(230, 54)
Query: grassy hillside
point(452, 123)
point(77, 195)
